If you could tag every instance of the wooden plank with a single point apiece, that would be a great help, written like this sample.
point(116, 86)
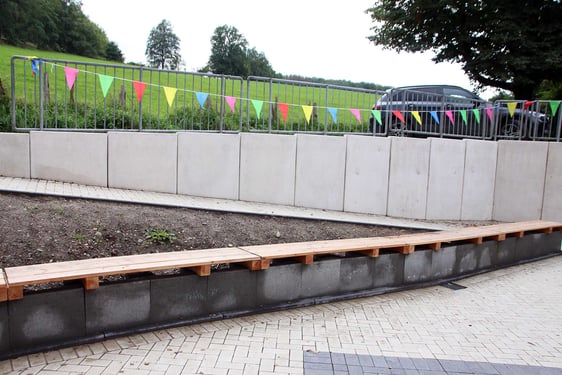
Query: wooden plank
point(91, 283)
point(15, 293)
point(81, 269)
point(203, 270)
point(3, 287)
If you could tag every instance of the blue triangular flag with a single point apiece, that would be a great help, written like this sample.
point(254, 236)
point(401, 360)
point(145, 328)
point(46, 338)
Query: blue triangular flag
point(201, 98)
point(435, 117)
point(334, 113)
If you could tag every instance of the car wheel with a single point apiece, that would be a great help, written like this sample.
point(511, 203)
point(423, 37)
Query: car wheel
point(397, 129)
point(511, 129)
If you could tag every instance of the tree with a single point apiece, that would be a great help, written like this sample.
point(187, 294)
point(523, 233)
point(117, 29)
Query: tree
point(258, 65)
point(113, 52)
point(163, 47)
point(228, 52)
point(509, 44)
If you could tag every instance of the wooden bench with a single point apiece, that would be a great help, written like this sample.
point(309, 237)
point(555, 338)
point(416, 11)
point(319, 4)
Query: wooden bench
point(90, 270)
point(255, 258)
point(403, 244)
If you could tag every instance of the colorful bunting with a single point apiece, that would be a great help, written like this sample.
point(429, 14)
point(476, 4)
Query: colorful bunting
point(450, 116)
point(435, 117)
point(399, 115)
point(463, 115)
point(231, 100)
point(511, 107)
point(105, 83)
point(139, 89)
point(258, 104)
point(377, 115)
point(357, 114)
point(416, 115)
point(334, 113)
point(554, 107)
point(528, 103)
point(71, 74)
point(170, 93)
point(476, 115)
point(284, 108)
point(201, 98)
point(307, 109)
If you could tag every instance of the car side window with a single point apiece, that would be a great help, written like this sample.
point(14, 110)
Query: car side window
point(458, 93)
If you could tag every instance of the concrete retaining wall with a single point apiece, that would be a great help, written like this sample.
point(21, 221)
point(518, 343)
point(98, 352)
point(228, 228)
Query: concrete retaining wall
point(14, 155)
point(402, 177)
point(70, 315)
point(69, 157)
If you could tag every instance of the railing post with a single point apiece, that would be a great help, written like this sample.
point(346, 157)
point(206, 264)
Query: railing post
point(13, 92)
point(221, 117)
point(41, 98)
point(270, 101)
point(140, 102)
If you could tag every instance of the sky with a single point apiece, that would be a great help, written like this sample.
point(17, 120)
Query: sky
point(312, 38)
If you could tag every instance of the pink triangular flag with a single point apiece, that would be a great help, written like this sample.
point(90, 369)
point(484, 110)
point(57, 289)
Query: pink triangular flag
point(450, 116)
point(139, 89)
point(231, 100)
point(357, 114)
point(71, 74)
point(284, 108)
point(490, 113)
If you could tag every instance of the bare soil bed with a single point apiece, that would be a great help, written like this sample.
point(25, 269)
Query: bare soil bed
point(40, 229)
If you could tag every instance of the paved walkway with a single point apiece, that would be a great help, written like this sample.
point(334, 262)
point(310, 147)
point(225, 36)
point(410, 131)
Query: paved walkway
point(24, 185)
point(503, 322)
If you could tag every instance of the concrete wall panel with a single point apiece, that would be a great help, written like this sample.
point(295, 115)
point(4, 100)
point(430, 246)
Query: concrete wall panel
point(479, 180)
point(520, 176)
point(42, 318)
point(409, 171)
point(267, 168)
point(320, 172)
point(14, 155)
point(446, 170)
point(366, 176)
point(209, 165)
point(142, 161)
point(70, 157)
point(552, 201)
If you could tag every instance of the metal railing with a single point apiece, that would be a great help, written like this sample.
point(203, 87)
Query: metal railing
point(50, 94)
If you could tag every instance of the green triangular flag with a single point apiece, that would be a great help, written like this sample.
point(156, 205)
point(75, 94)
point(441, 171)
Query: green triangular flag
point(105, 82)
point(463, 115)
point(258, 104)
point(377, 116)
point(554, 107)
point(476, 115)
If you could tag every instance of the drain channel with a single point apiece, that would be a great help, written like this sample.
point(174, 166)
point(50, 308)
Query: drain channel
point(453, 286)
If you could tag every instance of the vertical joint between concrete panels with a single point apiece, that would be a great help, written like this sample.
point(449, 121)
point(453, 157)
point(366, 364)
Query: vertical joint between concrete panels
point(388, 175)
point(428, 177)
point(545, 180)
point(295, 170)
point(344, 172)
point(239, 166)
point(177, 160)
point(463, 178)
point(106, 160)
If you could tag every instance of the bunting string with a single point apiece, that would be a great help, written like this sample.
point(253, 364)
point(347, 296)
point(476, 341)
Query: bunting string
point(170, 93)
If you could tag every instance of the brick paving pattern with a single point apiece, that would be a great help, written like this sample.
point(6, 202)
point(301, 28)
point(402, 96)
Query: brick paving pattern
point(503, 322)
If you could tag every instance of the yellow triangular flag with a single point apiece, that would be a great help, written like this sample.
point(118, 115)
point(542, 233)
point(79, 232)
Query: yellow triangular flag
point(416, 115)
point(170, 94)
point(307, 109)
point(511, 106)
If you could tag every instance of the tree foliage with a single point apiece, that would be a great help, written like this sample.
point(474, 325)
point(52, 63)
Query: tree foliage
point(163, 47)
point(113, 53)
point(230, 55)
point(55, 25)
point(510, 44)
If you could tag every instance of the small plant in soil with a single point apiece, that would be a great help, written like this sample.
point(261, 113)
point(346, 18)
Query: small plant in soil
point(159, 235)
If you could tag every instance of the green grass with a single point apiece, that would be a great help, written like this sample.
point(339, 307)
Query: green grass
point(86, 107)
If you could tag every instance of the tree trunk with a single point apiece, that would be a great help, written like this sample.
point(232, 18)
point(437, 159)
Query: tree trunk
point(524, 91)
